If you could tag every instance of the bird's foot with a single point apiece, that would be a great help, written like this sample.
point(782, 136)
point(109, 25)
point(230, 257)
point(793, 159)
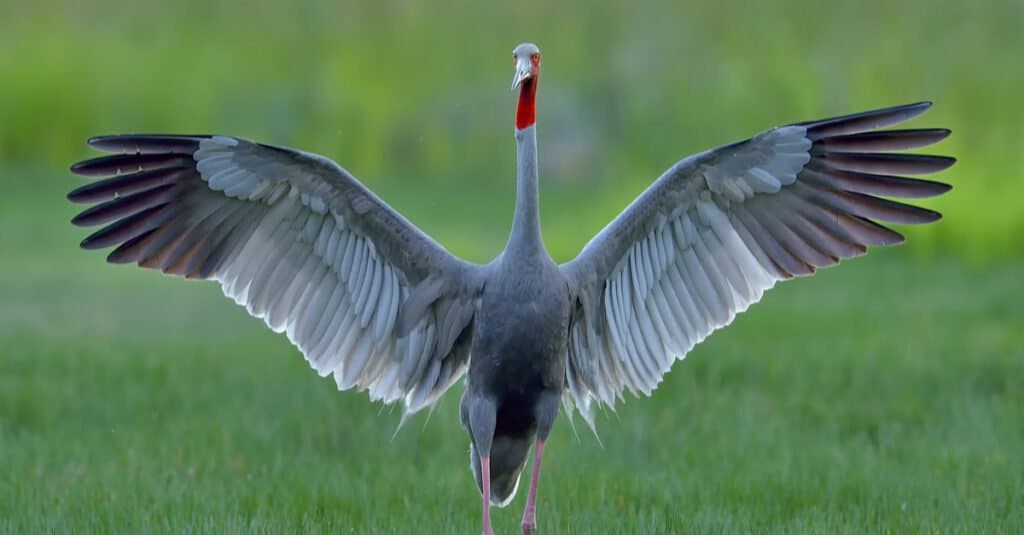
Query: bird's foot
point(530, 521)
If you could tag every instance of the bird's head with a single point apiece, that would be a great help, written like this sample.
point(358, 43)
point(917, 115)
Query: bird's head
point(527, 62)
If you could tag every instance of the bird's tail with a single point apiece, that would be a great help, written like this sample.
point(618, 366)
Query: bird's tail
point(508, 456)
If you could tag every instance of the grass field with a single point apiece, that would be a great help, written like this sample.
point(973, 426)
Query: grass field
point(882, 396)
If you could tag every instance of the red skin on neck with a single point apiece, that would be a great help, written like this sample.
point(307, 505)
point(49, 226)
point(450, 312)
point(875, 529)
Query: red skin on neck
point(526, 112)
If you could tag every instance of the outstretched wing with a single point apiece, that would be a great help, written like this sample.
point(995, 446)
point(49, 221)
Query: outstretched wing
point(298, 241)
point(721, 227)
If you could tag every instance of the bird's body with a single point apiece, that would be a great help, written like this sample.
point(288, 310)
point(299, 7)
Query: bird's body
point(372, 300)
point(522, 326)
point(520, 336)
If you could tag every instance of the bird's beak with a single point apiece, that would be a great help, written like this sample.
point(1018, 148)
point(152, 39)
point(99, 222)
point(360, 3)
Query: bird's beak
point(524, 70)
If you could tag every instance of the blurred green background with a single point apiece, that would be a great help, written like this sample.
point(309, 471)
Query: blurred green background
point(884, 395)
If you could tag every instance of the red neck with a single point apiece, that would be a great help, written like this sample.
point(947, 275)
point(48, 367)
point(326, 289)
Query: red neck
point(526, 112)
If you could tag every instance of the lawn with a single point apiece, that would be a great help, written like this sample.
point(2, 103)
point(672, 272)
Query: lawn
point(881, 396)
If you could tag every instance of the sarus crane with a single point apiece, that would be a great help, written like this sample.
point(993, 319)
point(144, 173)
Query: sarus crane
point(370, 299)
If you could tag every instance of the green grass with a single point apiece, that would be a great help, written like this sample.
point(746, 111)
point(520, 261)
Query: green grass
point(881, 396)
point(886, 395)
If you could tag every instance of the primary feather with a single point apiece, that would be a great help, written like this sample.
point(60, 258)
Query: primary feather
point(296, 240)
point(718, 229)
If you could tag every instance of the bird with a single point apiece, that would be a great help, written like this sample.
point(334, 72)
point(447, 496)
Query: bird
point(373, 301)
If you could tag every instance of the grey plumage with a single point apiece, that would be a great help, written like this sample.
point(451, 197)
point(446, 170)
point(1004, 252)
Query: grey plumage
point(741, 217)
point(295, 239)
point(370, 299)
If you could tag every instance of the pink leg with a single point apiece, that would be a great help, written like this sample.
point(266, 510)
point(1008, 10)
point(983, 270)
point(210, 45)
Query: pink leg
point(530, 514)
point(485, 473)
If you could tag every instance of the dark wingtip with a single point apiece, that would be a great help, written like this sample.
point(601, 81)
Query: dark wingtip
point(79, 195)
point(943, 162)
point(81, 220)
point(940, 133)
point(919, 106)
point(82, 194)
point(927, 216)
point(864, 121)
point(946, 162)
point(147, 143)
point(76, 168)
point(915, 109)
point(895, 238)
point(88, 244)
point(94, 140)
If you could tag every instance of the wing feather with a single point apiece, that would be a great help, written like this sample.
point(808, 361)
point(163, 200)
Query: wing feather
point(718, 229)
point(296, 240)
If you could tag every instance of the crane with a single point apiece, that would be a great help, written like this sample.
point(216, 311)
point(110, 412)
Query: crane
point(370, 299)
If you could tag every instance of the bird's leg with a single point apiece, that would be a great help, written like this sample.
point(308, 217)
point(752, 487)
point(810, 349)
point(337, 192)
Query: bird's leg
point(485, 476)
point(530, 514)
point(545, 411)
point(482, 415)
